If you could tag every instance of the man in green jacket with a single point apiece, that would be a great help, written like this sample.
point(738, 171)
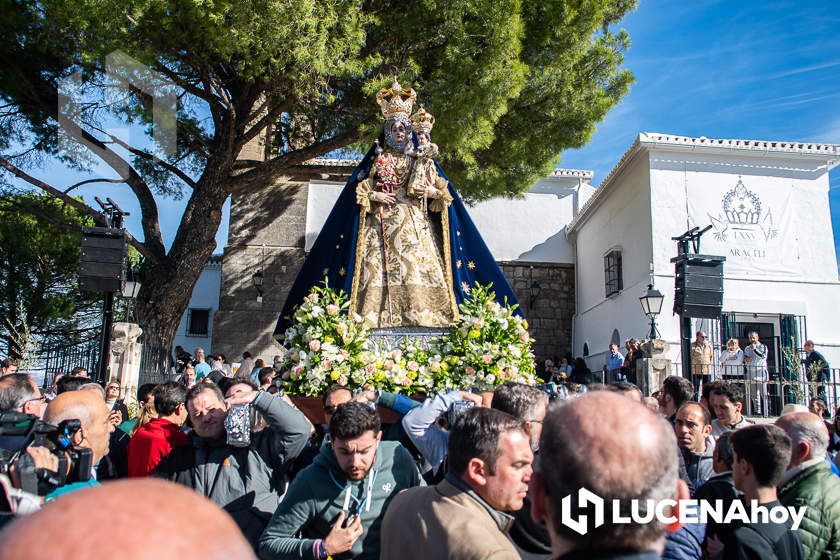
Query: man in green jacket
point(335, 506)
point(809, 482)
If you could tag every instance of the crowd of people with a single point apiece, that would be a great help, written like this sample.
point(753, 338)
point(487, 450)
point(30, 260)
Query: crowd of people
point(457, 476)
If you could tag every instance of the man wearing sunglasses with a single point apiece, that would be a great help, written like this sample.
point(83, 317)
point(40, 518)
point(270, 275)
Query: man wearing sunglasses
point(18, 393)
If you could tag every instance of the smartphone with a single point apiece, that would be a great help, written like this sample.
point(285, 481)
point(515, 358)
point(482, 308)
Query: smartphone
point(118, 404)
point(350, 520)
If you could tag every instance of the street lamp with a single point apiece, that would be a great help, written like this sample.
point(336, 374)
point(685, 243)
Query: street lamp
point(257, 279)
point(652, 305)
point(534, 292)
point(130, 290)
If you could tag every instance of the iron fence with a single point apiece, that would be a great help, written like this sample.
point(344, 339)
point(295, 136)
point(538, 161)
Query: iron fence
point(62, 359)
point(768, 390)
point(156, 364)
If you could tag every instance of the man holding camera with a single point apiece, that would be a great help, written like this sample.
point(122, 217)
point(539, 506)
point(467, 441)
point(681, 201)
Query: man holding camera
point(423, 427)
point(246, 481)
point(95, 434)
point(335, 506)
point(463, 516)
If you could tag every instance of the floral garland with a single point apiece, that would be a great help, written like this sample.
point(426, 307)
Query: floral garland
point(487, 347)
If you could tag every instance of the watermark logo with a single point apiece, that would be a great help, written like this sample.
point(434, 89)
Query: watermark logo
point(668, 512)
point(130, 75)
point(580, 524)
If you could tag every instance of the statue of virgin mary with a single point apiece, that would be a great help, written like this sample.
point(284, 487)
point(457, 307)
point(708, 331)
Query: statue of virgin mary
point(399, 239)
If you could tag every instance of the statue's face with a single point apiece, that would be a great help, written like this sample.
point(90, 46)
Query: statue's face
point(398, 132)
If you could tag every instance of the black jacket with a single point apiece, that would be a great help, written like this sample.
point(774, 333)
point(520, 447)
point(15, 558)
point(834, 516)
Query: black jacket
point(718, 487)
point(763, 541)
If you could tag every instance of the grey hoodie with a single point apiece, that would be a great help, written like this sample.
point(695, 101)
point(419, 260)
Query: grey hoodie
point(316, 497)
point(700, 466)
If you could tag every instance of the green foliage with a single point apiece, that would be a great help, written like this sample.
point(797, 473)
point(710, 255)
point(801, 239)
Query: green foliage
point(39, 262)
point(511, 82)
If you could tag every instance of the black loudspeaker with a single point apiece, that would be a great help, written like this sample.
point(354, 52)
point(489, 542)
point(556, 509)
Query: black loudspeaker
point(698, 286)
point(103, 260)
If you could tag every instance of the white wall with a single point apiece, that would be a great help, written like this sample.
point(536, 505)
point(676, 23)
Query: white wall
point(205, 295)
point(622, 220)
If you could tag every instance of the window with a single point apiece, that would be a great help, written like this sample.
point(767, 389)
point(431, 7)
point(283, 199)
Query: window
point(612, 272)
point(198, 323)
point(585, 349)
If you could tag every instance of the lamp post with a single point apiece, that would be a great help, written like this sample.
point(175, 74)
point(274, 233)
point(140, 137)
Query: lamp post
point(130, 291)
point(534, 292)
point(257, 279)
point(652, 305)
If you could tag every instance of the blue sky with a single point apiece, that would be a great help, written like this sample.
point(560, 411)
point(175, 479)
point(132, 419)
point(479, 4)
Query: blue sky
point(759, 70)
point(721, 69)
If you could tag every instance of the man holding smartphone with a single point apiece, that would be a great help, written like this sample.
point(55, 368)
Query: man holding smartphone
point(336, 505)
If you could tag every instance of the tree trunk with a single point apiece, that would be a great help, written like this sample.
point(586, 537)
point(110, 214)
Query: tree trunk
point(167, 285)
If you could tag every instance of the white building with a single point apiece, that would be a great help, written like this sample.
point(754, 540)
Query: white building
point(196, 327)
point(768, 206)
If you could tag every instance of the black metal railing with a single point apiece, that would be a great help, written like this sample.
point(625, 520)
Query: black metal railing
point(63, 359)
point(768, 390)
point(156, 364)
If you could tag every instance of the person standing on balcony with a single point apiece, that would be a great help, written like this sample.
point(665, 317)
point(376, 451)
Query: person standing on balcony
point(732, 361)
point(702, 355)
point(755, 359)
point(816, 367)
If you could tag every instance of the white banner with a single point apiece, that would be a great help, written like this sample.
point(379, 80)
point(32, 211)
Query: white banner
point(751, 226)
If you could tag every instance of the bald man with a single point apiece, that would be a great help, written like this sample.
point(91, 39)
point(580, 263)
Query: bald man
point(156, 519)
point(628, 453)
point(89, 408)
point(810, 482)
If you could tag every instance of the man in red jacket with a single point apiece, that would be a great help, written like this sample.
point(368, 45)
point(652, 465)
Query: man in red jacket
point(160, 435)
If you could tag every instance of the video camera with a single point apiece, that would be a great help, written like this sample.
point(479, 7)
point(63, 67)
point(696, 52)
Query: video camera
point(553, 390)
point(74, 463)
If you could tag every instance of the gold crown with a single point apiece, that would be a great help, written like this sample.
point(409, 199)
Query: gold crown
point(396, 100)
point(422, 120)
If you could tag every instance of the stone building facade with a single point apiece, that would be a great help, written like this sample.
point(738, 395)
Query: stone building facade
point(546, 292)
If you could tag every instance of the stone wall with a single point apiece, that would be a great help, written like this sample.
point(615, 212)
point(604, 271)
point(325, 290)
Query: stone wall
point(550, 316)
point(267, 231)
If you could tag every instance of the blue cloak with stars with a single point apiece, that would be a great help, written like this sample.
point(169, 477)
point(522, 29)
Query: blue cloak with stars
point(333, 256)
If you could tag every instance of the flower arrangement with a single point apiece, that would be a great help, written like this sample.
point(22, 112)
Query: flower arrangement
point(487, 347)
point(328, 346)
point(491, 344)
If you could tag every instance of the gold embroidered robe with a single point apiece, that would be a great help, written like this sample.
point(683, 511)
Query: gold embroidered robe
point(418, 275)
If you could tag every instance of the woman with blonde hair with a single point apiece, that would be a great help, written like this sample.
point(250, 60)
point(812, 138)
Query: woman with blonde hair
point(146, 402)
point(732, 360)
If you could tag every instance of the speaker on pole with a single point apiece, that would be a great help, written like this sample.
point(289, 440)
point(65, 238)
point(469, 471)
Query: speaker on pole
point(103, 259)
point(698, 286)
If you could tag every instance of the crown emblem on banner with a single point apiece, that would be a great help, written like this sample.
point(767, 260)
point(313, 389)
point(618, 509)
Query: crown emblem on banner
point(396, 100)
point(422, 120)
point(741, 206)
